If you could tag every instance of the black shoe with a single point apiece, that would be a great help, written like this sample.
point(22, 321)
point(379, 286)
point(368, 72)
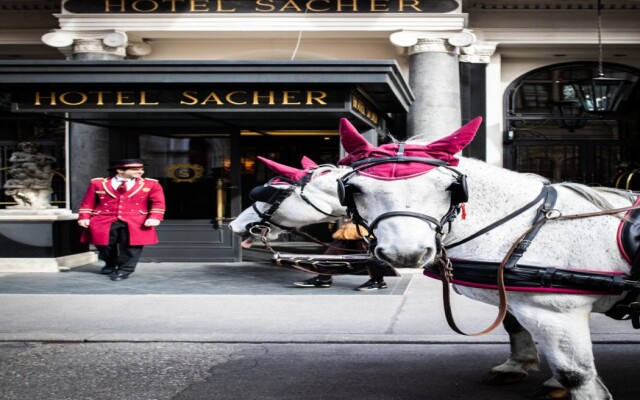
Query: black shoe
point(119, 276)
point(372, 285)
point(314, 282)
point(107, 270)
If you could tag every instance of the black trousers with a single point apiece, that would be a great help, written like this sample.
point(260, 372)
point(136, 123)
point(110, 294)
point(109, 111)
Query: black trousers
point(118, 254)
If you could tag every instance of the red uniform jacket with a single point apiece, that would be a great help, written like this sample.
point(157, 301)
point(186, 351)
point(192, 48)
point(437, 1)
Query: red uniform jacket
point(103, 206)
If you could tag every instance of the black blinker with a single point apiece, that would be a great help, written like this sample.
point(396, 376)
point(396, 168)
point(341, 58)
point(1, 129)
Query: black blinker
point(265, 194)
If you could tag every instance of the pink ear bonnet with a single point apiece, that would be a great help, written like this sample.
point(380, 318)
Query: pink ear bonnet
point(444, 149)
point(292, 173)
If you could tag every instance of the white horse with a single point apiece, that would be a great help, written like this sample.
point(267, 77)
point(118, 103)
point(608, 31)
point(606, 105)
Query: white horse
point(403, 202)
point(312, 199)
point(295, 212)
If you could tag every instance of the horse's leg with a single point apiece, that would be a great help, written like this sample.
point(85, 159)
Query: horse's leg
point(522, 358)
point(565, 340)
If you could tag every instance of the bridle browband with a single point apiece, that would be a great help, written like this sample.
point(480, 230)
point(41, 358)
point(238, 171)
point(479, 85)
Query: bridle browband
point(458, 190)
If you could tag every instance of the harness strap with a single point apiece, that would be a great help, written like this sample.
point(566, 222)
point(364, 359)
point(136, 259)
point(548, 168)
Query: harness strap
point(550, 200)
point(500, 221)
point(390, 214)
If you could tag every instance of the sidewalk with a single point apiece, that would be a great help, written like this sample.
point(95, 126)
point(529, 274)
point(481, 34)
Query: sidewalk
point(251, 302)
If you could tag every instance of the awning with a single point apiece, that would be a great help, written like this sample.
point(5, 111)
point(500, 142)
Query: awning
point(247, 94)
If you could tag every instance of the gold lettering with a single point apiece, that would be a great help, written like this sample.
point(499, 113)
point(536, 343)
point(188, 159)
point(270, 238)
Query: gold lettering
point(122, 97)
point(109, 3)
point(188, 95)
point(257, 97)
point(221, 9)
point(173, 4)
point(290, 3)
point(231, 101)
point(212, 97)
point(199, 5)
point(143, 99)
point(359, 106)
point(66, 102)
point(99, 97)
point(265, 3)
point(314, 96)
point(290, 97)
point(151, 4)
point(380, 5)
point(39, 98)
point(415, 4)
point(311, 8)
point(353, 5)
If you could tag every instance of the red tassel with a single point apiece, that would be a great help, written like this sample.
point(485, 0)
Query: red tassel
point(463, 215)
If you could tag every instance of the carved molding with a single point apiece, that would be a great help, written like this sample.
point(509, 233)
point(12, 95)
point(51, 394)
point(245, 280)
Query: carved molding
point(537, 5)
point(478, 53)
point(431, 45)
point(113, 43)
point(30, 5)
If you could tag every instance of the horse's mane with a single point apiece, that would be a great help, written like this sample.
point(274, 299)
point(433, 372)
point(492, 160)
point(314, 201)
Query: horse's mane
point(595, 194)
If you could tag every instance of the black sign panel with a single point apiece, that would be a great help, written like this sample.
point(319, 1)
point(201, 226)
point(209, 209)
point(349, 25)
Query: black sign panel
point(274, 7)
point(253, 99)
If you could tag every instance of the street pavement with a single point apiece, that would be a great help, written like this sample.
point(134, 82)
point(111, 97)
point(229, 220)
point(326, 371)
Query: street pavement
point(243, 331)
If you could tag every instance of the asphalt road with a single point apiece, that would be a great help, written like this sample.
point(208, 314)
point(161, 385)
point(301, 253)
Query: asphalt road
point(278, 371)
point(242, 331)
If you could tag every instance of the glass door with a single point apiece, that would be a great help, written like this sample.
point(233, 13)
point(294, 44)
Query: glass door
point(195, 173)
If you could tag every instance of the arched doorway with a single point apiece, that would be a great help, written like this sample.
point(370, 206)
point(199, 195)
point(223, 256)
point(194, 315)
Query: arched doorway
point(554, 130)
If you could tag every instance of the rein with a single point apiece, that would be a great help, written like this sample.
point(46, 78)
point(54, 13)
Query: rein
point(515, 252)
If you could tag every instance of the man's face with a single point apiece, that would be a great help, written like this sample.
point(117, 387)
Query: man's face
point(130, 173)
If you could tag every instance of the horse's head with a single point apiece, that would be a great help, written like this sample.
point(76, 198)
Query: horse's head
point(295, 198)
point(404, 192)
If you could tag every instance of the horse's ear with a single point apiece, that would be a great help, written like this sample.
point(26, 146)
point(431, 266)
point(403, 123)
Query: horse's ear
point(308, 163)
point(352, 141)
point(284, 170)
point(458, 140)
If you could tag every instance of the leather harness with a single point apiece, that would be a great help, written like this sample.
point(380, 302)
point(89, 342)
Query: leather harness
point(508, 272)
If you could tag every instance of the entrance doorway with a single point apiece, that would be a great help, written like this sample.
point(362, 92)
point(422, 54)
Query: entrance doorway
point(554, 129)
point(196, 173)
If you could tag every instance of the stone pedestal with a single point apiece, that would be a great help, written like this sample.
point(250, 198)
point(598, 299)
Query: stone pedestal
point(41, 241)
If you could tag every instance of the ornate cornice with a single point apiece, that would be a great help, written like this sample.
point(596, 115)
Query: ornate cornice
point(30, 5)
point(538, 5)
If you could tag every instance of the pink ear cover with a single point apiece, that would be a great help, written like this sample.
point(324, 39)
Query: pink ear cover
point(442, 149)
point(308, 163)
point(284, 170)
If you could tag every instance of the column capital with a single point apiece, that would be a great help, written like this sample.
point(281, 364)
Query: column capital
point(478, 53)
point(413, 42)
point(106, 45)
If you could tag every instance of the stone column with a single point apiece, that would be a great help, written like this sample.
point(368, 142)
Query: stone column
point(473, 85)
point(89, 144)
point(98, 45)
point(434, 78)
point(88, 157)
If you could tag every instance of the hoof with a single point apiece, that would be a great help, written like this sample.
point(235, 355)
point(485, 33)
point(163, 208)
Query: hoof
point(549, 393)
point(502, 378)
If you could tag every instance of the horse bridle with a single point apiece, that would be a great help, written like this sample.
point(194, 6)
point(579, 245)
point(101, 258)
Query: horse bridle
point(458, 189)
point(274, 196)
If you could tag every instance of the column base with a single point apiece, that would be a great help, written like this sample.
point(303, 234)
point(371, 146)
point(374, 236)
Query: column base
point(58, 264)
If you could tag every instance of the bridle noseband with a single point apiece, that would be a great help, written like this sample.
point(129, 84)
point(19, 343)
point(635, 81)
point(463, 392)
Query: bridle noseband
point(458, 189)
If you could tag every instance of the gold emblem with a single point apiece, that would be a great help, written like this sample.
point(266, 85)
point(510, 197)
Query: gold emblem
point(184, 172)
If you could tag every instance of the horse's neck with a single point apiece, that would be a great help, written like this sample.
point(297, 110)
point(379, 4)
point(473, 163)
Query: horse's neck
point(493, 193)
